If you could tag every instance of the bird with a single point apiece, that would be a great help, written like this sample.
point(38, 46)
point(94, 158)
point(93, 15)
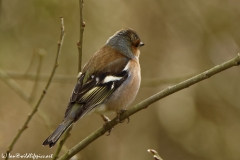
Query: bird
point(108, 82)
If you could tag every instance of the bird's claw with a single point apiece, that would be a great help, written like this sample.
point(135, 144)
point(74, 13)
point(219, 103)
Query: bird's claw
point(119, 114)
point(106, 120)
point(109, 131)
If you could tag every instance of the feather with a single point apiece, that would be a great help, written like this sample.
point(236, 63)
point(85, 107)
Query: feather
point(98, 86)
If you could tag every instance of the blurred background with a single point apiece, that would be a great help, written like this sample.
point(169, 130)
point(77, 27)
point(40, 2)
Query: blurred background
point(182, 39)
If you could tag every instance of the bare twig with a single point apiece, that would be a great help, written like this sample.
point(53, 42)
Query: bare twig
point(0, 11)
point(61, 143)
point(25, 125)
point(145, 103)
point(155, 154)
point(80, 42)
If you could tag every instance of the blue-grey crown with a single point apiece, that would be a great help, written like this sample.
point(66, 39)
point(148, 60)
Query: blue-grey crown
point(123, 41)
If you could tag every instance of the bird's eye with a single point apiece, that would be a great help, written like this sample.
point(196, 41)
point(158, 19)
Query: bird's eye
point(139, 44)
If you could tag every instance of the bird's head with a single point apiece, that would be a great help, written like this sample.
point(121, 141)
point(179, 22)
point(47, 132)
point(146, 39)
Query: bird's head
point(127, 42)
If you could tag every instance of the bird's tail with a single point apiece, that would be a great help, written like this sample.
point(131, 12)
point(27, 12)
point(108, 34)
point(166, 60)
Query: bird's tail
point(53, 138)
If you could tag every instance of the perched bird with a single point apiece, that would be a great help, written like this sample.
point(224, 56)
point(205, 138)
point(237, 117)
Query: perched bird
point(109, 81)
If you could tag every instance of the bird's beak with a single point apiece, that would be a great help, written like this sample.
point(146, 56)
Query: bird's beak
point(141, 44)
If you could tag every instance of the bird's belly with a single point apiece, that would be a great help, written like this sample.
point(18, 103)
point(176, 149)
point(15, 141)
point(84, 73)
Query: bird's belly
point(102, 109)
point(122, 97)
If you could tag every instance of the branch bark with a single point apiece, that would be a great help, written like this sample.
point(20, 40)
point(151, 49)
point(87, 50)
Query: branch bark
point(61, 143)
point(145, 103)
point(80, 42)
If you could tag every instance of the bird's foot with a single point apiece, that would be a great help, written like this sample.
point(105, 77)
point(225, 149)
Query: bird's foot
point(106, 120)
point(119, 113)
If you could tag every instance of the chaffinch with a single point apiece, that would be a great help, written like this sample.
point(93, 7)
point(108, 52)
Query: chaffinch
point(109, 81)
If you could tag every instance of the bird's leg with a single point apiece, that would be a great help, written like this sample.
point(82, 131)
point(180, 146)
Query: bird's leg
point(119, 113)
point(106, 120)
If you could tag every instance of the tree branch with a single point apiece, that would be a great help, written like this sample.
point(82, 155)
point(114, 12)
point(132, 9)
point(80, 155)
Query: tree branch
point(25, 125)
point(80, 42)
point(145, 103)
point(61, 143)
